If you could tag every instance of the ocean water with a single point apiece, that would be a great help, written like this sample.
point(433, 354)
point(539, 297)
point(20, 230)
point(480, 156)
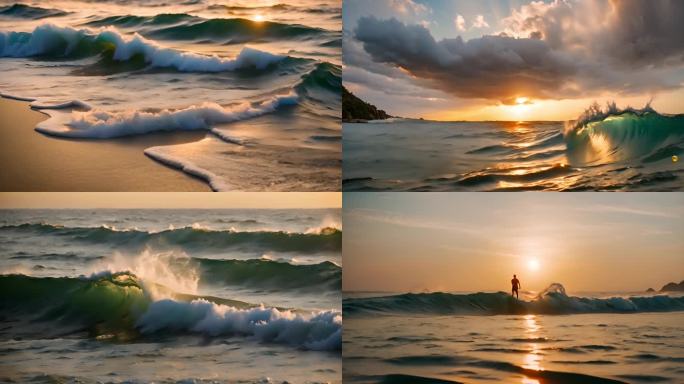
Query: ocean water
point(170, 296)
point(488, 337)
point(259, 78)
point(627, 150)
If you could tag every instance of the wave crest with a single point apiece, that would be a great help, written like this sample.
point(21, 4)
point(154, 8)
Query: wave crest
point(188, 237)
point(117, 305)
point(49, 40)
point(100, 124)
point(602, 136)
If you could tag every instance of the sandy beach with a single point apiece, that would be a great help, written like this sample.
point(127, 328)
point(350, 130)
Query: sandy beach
point(35, 162)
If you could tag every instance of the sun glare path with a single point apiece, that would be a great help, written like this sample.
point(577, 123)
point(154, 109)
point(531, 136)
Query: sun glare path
point(533, 359)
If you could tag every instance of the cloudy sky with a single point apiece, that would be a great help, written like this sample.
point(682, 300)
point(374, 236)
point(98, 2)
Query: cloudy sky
point(513, 59)
point(402, 242)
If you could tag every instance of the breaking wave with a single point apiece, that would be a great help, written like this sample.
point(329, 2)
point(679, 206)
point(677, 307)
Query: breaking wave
point(327, 240)
point(101, 124)
point(552, 301)
point(51, 41)
point(601, 136)
point(76, 119)
point(119, 306)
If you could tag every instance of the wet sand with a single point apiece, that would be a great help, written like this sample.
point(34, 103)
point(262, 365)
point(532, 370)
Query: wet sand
point(32, 161)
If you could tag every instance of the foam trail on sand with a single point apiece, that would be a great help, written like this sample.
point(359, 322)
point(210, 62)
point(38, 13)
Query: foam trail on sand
point(100, 124)
point(16, 97)
point(214, 181)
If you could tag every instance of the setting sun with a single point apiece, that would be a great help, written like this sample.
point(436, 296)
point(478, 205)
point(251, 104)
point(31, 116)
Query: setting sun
point(258, 18)
point(533, 264)
point(521, 100)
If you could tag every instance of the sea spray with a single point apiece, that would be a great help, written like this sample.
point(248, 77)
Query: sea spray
point(120, 304)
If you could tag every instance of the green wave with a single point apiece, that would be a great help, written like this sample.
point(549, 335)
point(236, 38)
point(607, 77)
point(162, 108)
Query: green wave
point(625, 135)
point(327, 240)
point(273, 275)
point(187, 27)
point(30, 12)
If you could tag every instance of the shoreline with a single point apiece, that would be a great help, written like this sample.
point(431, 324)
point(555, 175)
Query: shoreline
point(38, 162)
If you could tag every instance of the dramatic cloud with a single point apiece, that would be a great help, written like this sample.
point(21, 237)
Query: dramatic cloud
point(492, 67)
point(630, 32)
point(563, 49)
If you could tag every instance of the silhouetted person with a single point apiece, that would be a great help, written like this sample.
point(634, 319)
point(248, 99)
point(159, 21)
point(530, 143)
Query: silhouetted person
point(515, 283)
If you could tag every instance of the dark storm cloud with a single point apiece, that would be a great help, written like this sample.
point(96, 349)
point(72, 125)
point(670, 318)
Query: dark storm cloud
point(627, 32)
point(649, 32)
point(493, 67)
point(632, 46)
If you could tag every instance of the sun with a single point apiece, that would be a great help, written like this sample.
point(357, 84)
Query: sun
point(533, 264)
point(258, 17)
point(521, 100)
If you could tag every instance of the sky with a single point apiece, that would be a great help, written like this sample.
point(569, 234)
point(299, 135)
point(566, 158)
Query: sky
point(511, 59)
point(469, 242)
point(177, 200)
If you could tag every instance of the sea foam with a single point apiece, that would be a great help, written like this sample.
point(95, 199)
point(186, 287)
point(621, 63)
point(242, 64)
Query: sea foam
point(315, 331)
point(100, 124)
point(49, 40)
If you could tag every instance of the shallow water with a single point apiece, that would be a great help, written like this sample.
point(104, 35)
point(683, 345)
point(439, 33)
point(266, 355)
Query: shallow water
point(623, 152)
point(143, 295)
point(134, 67)
point(578, 348)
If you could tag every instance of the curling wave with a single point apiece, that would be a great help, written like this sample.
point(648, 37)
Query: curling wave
point(118, 306)
point(51, 41)
point(601, 136)
point(553, 301)
point(327, 240)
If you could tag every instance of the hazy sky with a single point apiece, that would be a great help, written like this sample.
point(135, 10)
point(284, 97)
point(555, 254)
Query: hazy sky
point(171, 200)
point(511, 59)
point(476, 241)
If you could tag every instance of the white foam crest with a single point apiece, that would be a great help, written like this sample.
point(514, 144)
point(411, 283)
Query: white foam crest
point(100, 124)
point(156, 268)
point(315, 331)
point(52, 39)
point(595, 113)
point(327, 222)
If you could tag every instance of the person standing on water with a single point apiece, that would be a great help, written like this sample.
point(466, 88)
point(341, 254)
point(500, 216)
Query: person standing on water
point(515, 283)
